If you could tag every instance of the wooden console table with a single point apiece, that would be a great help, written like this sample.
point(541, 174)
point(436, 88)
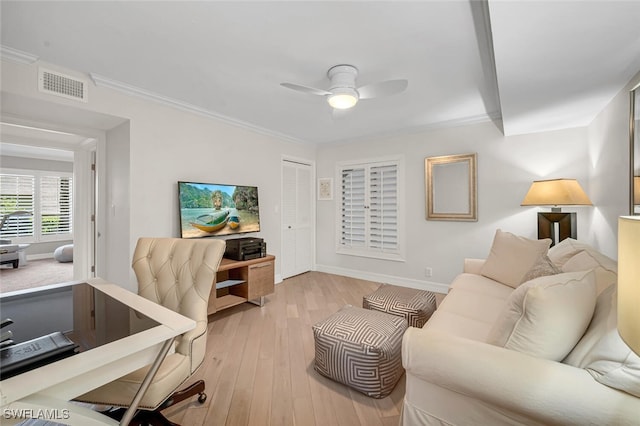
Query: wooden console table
point(239, 281)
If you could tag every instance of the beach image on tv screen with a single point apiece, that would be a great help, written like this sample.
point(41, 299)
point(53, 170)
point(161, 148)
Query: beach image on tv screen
point(213, 210)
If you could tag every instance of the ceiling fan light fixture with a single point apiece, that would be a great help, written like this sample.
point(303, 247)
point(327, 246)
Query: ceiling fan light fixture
point(343, 98)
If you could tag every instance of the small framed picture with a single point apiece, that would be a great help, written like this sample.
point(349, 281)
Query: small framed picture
point(325, 189)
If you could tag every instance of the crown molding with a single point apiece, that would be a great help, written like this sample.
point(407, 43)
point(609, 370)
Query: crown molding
point(16, 55)
point(130, 90)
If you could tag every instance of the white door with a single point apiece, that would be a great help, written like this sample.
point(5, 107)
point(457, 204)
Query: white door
point(297, 215)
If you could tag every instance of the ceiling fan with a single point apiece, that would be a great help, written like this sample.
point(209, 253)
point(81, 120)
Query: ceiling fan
point(344, 94)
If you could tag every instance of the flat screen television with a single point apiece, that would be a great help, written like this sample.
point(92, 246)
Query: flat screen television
point(212, 210)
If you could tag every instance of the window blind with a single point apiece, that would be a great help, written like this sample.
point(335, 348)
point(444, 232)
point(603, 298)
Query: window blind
point(353, 207)
point(55, 205)
point(370, 209)
point(47, 196)
point(17, 194)
point(383, 208)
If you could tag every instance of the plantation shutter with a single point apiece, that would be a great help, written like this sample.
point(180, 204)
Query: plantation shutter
point(383, 208)
point(353, 207)
point(370, 209)
point(17, 194)
point(55, 205)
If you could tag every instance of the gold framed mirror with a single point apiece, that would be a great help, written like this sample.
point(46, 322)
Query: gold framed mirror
point(451, 187)
point(634, 151)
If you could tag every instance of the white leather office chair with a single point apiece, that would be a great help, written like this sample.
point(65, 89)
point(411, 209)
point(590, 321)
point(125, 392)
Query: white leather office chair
point(177, 274)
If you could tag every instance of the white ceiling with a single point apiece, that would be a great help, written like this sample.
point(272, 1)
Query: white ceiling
point(554, 64)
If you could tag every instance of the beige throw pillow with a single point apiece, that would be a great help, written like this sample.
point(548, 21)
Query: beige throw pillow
point(547, 316)
point(606, 269)
point(565, 250)
point(543, 267)
point(512, 256)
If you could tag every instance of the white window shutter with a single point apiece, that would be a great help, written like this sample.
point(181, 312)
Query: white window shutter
point(55, 205)
point(370, 209)
point(383, 208)
point(17, 194)
point(353, 220)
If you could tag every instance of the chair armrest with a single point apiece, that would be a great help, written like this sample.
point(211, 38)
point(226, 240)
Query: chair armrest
point(473, 266)
point(547, 391)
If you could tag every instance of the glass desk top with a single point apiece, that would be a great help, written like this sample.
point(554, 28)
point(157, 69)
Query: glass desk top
point(85, 315)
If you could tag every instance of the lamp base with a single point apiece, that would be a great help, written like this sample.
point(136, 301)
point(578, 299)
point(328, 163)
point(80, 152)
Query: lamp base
point(567, 226)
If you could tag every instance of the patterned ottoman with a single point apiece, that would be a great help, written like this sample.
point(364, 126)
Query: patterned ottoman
point(416, 306)
point(361, 349)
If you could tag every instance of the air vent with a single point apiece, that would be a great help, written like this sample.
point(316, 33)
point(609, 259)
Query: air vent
point(62, 85)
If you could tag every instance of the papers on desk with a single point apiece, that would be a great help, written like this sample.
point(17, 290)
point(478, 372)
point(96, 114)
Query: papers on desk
point(35, 353)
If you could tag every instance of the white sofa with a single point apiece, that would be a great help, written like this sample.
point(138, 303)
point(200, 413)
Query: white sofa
point(542, 352)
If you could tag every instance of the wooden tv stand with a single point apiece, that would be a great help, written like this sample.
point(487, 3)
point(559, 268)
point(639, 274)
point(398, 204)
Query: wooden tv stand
point(239, 281)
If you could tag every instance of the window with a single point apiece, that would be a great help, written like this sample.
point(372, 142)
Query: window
point(46, 197)
point(369, 212)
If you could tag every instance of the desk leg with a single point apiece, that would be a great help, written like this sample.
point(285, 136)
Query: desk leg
point(131, 411)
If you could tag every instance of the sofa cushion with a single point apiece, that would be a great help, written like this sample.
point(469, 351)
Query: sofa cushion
point(606, 269)
point(547, 316)
point(471, 307)
point(602, 352)
point(511, 257)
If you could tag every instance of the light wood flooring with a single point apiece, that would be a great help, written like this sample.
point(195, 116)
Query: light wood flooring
point(259, 364)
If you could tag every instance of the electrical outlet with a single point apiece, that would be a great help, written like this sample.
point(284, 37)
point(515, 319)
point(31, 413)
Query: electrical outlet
point(428, 271)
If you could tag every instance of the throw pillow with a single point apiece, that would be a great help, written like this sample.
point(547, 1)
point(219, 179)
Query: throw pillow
point(543, 267)
point(547, 316)
point(565, 250)
point(512, 256)
point(606, 269)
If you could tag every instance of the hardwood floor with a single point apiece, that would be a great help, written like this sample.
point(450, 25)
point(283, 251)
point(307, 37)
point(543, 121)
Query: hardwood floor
point(259, 364)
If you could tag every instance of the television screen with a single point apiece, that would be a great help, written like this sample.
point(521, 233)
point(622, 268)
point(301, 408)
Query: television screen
point(211, 210)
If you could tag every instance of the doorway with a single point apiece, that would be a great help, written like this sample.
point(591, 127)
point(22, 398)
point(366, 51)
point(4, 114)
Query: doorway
point(60, 163)
point(297, 217)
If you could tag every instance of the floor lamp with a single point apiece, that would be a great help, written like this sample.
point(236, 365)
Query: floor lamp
point(629, 281)
point(556, 192)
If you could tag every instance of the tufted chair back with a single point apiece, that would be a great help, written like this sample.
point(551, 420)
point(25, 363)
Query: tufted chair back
point(178, 274)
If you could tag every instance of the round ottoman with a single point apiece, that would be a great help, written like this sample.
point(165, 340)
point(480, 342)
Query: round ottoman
point(361, 349)
point(416, 306)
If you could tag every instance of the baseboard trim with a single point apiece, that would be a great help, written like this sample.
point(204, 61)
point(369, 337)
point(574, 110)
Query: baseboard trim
point(383, 278)
point(40, 256)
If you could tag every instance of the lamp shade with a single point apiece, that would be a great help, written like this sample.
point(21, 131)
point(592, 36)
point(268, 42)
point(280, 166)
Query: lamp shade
point(629, 281)
point(556, 192)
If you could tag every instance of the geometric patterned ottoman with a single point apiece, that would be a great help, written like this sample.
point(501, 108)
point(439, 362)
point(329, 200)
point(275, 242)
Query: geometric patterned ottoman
point(416, 306)
point(361, 349)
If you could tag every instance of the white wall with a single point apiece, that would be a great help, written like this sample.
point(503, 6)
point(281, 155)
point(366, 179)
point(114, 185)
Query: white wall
point(165, 145)
point(609, 169)
point(598, 156)
point(116, 211)
point(506, 168)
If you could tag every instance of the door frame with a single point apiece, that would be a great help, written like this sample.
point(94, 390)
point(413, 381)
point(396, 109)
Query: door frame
point(86, 244)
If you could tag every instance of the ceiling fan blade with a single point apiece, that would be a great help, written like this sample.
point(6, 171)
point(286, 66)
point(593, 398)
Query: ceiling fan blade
point(385, 88)
point(305, 89)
